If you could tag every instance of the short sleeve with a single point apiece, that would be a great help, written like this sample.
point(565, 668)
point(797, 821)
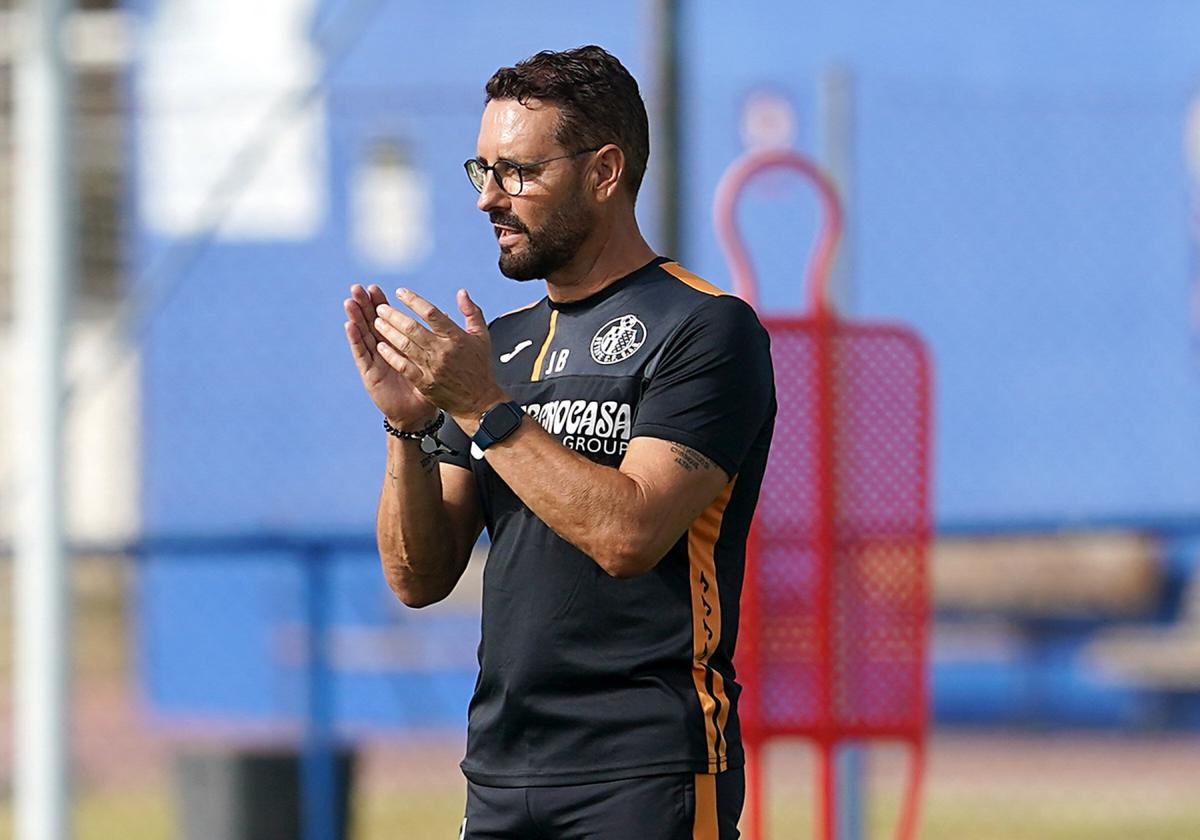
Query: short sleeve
point(712, 387)
point(456, 439)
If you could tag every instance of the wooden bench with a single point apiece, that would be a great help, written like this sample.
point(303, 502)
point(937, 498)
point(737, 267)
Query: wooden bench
point(1161, 657)
point(1061, 576)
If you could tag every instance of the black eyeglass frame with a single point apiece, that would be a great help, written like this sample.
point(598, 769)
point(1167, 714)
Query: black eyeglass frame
point(518, 167)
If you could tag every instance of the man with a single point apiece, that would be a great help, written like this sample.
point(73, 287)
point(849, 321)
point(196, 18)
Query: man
point(612, 438)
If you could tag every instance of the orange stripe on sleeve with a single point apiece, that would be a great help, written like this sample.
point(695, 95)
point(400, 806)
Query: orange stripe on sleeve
point(684, 276)
point(706, 625)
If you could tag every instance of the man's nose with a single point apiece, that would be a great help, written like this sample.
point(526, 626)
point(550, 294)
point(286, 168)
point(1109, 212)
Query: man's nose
point(491, 197)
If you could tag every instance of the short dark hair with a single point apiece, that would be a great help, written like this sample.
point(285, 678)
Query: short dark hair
point(597, 98)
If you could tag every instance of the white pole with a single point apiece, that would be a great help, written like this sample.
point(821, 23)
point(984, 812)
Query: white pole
point(837, 130)
point(836, 103)
point(43, 273)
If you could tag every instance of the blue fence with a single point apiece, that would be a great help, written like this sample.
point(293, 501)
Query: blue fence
point(1018, 191)
point(284, 633)
point(299, 637)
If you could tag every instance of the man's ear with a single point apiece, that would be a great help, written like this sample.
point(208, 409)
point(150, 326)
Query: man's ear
point(607, 168)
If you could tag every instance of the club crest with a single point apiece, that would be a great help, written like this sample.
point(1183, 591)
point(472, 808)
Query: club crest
point(619, 339)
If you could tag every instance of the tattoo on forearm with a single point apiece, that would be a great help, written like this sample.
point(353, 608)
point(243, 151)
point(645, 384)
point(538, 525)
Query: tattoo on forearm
point(689, 458)
point(428, 463)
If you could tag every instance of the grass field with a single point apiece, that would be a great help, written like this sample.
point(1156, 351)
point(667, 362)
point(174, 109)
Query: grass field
point(980, 785)
point(1000, 786)
point(425, 802)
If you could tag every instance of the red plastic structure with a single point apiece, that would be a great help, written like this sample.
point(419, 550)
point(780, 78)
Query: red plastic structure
point(835, 610)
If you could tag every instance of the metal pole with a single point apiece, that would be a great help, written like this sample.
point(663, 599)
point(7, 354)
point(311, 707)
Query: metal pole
point(318, 777)
point(664, 147)
point(837, 152)
point(43, 274)
point(851, 803)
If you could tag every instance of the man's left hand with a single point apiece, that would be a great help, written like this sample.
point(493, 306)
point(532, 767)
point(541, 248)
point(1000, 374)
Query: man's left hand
point(450, 365)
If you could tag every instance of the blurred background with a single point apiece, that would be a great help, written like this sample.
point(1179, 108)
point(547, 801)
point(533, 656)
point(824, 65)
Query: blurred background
point(1022, 187)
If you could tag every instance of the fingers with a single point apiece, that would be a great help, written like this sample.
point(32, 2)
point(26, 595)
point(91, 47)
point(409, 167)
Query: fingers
point(404, 333)
point(368, 297)
point(378, 298)
point(402, 364)
point(436, 318)
point(361, 308)
point(362, 298)
point(358, 348)
point(475, 322)
point(361, 322)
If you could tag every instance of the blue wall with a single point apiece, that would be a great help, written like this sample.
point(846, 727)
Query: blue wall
point(254, 416)
point(1019, 195)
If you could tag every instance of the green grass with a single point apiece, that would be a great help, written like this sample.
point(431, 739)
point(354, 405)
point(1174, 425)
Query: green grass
point(1032, 817)
point(434, 812)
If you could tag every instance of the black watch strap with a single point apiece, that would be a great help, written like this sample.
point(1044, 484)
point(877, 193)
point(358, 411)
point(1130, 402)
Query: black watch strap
point(496, 424)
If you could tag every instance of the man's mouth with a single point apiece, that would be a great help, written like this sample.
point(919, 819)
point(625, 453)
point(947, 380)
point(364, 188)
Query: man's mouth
point(507, 235)
point(508, 231)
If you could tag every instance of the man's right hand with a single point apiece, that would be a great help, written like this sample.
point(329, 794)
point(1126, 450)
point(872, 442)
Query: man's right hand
point(402, 404)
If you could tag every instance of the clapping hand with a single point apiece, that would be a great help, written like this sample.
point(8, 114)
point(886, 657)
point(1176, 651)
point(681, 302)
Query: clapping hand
point(448, 365)
point(403, 405)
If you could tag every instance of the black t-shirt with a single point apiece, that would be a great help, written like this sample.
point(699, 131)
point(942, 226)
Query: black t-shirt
point(585, 677)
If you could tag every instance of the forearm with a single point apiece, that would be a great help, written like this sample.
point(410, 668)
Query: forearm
point(600, 510)
point(421, 554)
point(625, 519)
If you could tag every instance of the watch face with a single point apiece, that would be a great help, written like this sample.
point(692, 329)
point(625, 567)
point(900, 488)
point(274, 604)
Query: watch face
point(501, 421)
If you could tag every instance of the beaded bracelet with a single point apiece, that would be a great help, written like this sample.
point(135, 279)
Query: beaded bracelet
point(431, 444)
point(431, 429)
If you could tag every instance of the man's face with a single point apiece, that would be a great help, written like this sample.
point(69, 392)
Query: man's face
point(541, 229)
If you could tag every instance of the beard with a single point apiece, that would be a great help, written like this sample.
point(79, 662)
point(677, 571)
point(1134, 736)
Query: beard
point(550, 246)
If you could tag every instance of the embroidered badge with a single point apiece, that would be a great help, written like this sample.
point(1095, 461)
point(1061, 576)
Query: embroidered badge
point(619, 339)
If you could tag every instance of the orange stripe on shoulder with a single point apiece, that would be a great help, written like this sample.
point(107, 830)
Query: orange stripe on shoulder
point(521, 308)
point(684, 276)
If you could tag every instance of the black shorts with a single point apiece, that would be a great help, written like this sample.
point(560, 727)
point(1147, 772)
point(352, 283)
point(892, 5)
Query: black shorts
point(677, 807)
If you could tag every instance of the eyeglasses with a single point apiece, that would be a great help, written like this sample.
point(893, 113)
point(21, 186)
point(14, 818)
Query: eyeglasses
point(510, 175)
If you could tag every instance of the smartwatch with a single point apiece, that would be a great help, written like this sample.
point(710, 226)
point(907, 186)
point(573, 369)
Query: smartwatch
point(496, 424)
